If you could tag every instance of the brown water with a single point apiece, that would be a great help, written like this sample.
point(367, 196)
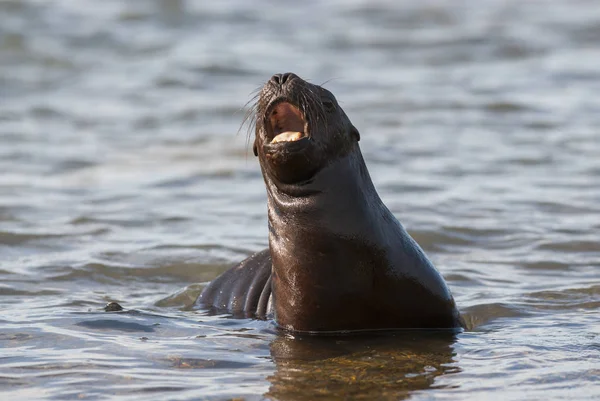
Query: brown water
point(122, 178)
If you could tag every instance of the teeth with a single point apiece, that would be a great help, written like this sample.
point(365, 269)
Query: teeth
point(288, 136)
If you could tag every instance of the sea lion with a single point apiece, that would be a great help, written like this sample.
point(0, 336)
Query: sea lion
point(338, 260)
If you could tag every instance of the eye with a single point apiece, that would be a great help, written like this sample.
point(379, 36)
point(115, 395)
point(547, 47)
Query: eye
point(329, 105)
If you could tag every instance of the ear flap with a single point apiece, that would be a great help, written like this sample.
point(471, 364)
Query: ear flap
point(355, 133)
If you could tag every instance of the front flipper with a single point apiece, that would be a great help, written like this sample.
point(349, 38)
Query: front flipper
point(244, 290)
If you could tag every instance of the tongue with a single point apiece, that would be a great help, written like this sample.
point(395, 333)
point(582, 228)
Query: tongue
point(288, 136)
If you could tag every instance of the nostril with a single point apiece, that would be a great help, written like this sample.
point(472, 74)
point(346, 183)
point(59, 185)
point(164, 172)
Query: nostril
point(276, 79)
point(281, 79)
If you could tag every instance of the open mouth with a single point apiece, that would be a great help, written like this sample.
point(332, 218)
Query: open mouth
point(286, 123)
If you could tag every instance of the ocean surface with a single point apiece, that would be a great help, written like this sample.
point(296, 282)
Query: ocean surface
point(125, 175)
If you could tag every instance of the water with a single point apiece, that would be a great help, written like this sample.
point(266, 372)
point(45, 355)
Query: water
point(123, 179)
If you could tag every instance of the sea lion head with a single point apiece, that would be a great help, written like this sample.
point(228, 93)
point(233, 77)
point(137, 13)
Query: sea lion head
point(300, 128)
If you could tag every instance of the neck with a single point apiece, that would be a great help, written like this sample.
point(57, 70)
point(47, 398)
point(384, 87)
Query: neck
point(325, 237)
point(339, 197)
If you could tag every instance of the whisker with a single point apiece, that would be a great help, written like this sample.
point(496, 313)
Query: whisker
point(329, 80)
point(249, 120)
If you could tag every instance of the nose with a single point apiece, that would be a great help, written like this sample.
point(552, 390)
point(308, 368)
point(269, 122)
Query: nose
point(280, 79)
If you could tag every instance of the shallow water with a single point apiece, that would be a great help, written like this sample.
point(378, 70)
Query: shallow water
point(122, 179)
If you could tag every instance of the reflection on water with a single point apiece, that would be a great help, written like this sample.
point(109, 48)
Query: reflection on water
point(122, 179)
point(362, 367)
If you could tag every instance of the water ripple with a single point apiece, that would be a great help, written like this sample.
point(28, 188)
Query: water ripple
point(126, 177)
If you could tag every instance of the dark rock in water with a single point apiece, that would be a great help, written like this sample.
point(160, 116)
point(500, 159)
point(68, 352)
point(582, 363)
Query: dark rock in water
point(113, 307)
